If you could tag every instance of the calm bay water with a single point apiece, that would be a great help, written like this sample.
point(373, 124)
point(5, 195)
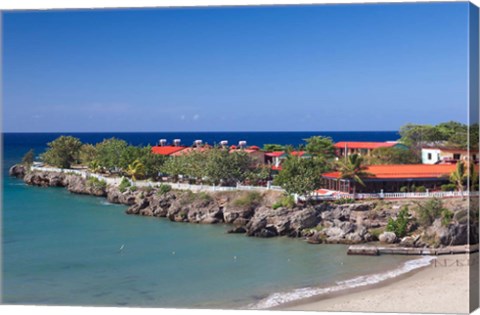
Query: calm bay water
point(60, 248)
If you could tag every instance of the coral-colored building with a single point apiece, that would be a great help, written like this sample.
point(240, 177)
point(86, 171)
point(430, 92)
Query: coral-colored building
point(390, 178)
point(363, 148)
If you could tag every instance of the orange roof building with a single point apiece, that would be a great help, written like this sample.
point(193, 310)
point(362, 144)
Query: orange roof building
point(167, 149)
point(363, 148)
point(390, 178)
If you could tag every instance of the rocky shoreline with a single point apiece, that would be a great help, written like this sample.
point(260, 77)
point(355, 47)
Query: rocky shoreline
point(254, 214)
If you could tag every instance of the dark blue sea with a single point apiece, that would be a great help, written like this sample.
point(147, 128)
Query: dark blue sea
point(64, 249)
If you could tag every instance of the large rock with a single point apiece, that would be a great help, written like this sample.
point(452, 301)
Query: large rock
point(387, 237)
point(138, 208)
point(342, 213)
point(114, 195)
point(365, 206)
point(302, 219)
point(354, 238)
point(161, 204)
point(45, 179)
point(77, 184)
point(232, 213)
point(409, 241)
point(282, 221)
point(17, 170)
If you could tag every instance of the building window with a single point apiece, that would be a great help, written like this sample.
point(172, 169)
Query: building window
point(429, 156)
point(456, 156)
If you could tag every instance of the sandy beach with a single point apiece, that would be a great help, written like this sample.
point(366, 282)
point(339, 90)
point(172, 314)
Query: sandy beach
point(433, 289)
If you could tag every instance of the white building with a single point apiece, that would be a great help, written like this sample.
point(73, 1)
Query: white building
point(431, 155)
point(446, 155)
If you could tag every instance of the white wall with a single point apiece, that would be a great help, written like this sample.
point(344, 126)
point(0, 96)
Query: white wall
point(434, 154)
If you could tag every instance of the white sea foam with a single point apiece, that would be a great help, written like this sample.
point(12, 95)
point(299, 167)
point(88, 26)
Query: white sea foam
point(106, 203)
point(279, 298)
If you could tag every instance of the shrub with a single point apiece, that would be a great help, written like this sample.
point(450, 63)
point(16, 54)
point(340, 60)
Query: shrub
point(404, 189)
point(147, 189)
point(428, 211)
point(133, 188)
point(96, 183)
point(286, 201)
point(163, 189)
point(399, 226)
point(421, 189)
point(204, 196)
point(447, 217)
point(448, 187)
point(28, 158)
point(124, 184)
point(250, 199)
point(187, 197)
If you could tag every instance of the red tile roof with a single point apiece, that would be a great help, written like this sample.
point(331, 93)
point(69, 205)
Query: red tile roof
point(190, 150)
point(405, 171)
point(166, 150)
point(456, 151)
point(364, 145)
point(298, 153)
point(275, 153)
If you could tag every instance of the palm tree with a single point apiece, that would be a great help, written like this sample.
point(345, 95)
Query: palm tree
point(94, 166)
point(353, 169)
point(136, 170)
point(459, 176)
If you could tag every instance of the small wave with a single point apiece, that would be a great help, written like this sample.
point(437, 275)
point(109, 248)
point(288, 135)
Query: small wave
point(17, 184)
point(106, 203)
point(279, 298)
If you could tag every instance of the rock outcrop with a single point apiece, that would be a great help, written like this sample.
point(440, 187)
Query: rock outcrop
point(17, 170)
point(324, 223)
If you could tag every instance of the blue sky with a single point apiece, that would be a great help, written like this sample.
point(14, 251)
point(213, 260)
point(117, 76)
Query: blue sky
point(300, 68)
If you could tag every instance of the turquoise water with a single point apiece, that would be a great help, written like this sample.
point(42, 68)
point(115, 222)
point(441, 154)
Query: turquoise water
point(65, 249)
point(61, 248)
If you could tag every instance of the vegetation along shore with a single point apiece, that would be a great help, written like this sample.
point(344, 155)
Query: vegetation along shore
point(114, 169)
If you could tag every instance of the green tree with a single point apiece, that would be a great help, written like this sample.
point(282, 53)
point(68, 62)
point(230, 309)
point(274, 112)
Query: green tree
point(320, 146)
point(152, 162)
point(88, 153)
point(353, 169)
point(62, 152)
point(300, 176)
point(28, 158)
point(474, 137)
point(175, 166)
point(430, 210)
point(417, 135)
point(289, 148)
point(224, 168)
point(273, 147)
point(400, 225)
point(452, 134)
point(111, 154)
point(259, 175)
point(393, 155)
point(459, 176)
